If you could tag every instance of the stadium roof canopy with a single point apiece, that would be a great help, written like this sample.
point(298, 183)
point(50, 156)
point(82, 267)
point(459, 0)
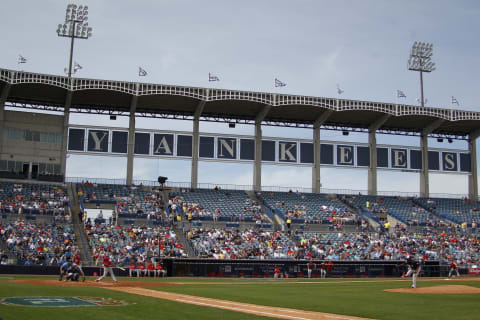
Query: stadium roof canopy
point(49, 92)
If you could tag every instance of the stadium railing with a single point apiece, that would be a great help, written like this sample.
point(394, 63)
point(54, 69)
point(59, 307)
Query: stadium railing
point(186, 185)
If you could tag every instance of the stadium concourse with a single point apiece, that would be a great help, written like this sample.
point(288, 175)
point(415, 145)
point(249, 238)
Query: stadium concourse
point(151, 223)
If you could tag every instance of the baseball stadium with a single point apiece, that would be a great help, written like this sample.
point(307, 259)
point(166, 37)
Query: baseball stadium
point(125, 245)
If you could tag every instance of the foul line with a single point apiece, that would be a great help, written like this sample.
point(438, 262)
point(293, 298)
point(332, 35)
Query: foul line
point(268, 311)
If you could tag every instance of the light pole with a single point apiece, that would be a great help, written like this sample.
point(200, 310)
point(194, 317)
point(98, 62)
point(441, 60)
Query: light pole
point(420, 60)
point(75, 26)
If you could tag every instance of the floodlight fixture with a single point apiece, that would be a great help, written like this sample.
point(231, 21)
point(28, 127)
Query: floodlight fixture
point(75, 27)
point(421, 60)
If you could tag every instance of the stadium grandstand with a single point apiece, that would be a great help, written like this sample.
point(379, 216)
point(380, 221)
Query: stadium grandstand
point(44, 213)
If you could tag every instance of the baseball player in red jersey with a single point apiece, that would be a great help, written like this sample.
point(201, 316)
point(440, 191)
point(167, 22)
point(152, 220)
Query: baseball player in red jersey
point(323, 269)
point(78, 261)
point(132, 268)
point(160, 270)
point(453, 268)
point(276, 272)
point(140, 269)
point(150, 269)
point(310, 267)
point(107, 268)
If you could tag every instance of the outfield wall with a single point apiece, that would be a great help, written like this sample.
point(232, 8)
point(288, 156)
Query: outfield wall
point(256, 268)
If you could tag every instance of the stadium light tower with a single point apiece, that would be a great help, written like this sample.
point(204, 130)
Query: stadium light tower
point(75, 27)
point(421, 60)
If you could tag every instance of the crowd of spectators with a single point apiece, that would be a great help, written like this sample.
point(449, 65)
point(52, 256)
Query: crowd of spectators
point(38, 244)
point(135, 200)
point(41, 199)
point(127, 244)
point(249, 210)
point(235, 244)
point(430, 244)
point(308, 208)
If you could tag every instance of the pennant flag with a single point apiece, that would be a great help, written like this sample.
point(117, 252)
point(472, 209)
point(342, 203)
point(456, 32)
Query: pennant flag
point(454, 101)
point(76, 67)
point(21, 59)
point(141, 72)
point(279, 83)
point(211, 77)
point(401, 94)
point(339, 91)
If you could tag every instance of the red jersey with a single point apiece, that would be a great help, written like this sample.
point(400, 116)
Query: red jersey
point(311, 265)
point(159, 267)
point(277, 270)
point(151, 267)
point(106, 261)
point(77, 260)
point(453, 265)
point(141, 267)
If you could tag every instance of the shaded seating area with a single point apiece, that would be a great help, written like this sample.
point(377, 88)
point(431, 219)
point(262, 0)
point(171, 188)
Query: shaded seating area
point(403, 209)
point(310, 207)
point(456, 210)
point(222, 205)
point(130, 201)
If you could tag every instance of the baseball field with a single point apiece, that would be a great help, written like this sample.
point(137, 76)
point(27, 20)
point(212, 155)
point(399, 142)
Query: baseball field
point(37, 297)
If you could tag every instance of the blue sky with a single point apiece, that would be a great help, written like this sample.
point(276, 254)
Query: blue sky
point(310, 45)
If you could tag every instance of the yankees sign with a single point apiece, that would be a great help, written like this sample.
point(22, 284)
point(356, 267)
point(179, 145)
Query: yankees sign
point(112, 141)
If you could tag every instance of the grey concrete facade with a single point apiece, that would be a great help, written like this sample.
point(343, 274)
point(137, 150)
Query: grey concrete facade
point(3, 98)
point(32, 151)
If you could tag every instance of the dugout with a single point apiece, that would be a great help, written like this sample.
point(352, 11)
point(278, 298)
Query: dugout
point(256, 268)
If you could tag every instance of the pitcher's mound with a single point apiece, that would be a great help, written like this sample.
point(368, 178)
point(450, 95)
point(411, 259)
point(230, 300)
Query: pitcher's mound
point(454, 289)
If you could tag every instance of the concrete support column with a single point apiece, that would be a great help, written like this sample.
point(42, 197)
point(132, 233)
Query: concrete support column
point(372, 147)
point(424, 178)
point(257, 165)
point(66, 121)
point(316, 184)
point(195, 144)
point(3, 99)
point(473, 177)
point(131, 139)
point(372, 169)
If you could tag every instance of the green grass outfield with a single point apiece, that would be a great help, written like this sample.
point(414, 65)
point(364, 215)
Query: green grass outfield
point(362, 298)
